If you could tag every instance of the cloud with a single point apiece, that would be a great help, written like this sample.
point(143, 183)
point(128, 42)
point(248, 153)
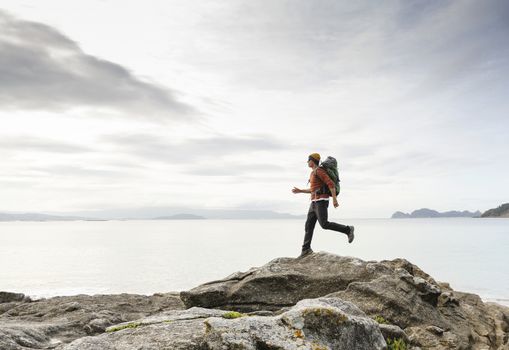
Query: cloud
point(30, 143)
point(233, 169)
point(42, 69)
point(215, 147)
point(298, 44)
point(464, 42)
point(79, 172)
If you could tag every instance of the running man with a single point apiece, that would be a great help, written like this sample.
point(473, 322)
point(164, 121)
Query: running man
point(319, 204)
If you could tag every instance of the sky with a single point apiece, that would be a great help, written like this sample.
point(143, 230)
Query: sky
point(217, 104)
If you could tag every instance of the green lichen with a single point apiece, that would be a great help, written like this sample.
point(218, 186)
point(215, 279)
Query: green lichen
point(380, 319)
point(124, 326)
point(396, 344)
point(325, 312)
point(318, 311)
point(208, 327)
point(233, 314)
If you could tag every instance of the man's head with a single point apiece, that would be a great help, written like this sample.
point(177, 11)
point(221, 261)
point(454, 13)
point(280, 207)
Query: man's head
point(313, 160)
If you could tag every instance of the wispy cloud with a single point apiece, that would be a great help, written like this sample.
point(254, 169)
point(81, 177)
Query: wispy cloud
point(161, 149)
point(232, 169)
point(37, 144)
point(430, 44)
point(74, 171)
point(43, 69)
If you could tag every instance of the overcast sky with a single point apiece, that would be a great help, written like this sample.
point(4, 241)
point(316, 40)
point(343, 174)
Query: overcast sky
point(216, 104)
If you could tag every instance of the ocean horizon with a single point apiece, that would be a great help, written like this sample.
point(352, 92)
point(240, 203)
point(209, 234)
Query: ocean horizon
point(45, 259)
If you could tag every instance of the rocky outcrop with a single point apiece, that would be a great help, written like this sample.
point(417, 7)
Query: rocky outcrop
point(430, 213)
point(432, 315)
point(46, 323)
point(283, 282)
point(313, 324)
point(502, 211)
point(321, 301)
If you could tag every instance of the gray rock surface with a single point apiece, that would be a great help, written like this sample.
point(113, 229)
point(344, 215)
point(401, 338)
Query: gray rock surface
point(313, 324)
point(7, 297)
point(283, 282)
point(47, 323)
point(432, 315)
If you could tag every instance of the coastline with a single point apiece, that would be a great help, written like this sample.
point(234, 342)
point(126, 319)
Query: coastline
point(323, 296)
point(504, 301)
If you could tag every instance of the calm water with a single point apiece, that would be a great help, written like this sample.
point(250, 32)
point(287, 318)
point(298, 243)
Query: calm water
point(65, 258)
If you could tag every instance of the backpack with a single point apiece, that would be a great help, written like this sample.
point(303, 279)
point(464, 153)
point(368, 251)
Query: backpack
point(330, 165)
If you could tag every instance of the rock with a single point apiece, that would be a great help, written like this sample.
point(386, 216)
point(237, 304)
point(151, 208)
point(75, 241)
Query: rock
point(97, 325)
point(397, 298)
point(448, 299)
point(321, 301)
point(45, 323)
point(283, 282)
point(324, 323)
point(72, 306)
point(390, 331)
point(427, 340)
point(435, 330)
point(462, 324)
point(19, 336)
point(428, 292)
point(4, 307)
point(397, 290)
point(7, 297)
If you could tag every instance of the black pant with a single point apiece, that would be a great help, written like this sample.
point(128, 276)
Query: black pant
point(318, 211)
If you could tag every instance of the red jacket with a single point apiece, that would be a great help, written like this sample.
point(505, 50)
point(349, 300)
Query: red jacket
point(318, 178)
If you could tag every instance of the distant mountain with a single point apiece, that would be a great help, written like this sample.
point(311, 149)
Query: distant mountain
point(430, 213)
point(181, 217)
point(500, 212)
point(400, 215)
point(38, 217)
point(157, 213)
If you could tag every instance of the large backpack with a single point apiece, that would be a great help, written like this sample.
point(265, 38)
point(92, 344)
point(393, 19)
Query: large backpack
point(330, 165)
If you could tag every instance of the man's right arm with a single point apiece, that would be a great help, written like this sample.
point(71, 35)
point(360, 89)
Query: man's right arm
point(298, 190)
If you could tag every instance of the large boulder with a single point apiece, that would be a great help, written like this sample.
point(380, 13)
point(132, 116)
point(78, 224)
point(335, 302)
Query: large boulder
point(432, 315)
point(454, 321)
point(313, 324)
point(9, 297)
point(283, 282)
point(46, 323)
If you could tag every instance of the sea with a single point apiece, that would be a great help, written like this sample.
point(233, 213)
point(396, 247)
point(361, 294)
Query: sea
point(44, 259)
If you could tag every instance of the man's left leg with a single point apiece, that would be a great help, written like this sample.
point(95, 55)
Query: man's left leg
point(309, 228)
point(323, 219)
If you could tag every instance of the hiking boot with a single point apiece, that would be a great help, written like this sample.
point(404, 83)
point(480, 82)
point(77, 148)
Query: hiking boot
point(305, 252)
point(350, 234)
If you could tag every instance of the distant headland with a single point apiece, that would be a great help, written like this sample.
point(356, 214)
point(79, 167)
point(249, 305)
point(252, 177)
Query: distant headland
point(430, 213)
point(501, 211)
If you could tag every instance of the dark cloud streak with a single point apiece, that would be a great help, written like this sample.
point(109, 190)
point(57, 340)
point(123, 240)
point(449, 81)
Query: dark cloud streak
point(42, 69)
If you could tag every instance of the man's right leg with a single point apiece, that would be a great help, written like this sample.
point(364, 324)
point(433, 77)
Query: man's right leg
point(322, 216)
point(309, 227)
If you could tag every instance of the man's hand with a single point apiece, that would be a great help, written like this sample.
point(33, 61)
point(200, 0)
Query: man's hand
point(335, 202)
point(296, 190)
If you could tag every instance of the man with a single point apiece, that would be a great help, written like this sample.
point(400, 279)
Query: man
point(319, 204)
